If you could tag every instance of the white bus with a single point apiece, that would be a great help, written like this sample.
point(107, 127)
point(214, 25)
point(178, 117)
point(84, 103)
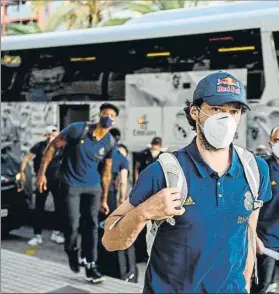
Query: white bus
point(204, 11)
point(85, 67)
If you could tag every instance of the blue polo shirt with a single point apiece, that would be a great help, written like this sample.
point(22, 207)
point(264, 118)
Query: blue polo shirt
point(119, 162)
point(268, 225)
point(205, 252)
point(81, 160)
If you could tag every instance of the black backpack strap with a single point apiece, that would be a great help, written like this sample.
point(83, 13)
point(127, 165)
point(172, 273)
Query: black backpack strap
point(85, 131)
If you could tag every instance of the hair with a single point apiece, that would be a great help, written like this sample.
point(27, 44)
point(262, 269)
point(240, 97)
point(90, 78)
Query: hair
point(115, 132)
point(124, 147)
point(156, 141)
point(110, 106)
point(191, 121)
point(273, 131)
point(198, 103)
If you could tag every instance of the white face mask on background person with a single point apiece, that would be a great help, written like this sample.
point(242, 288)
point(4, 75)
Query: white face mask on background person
point(155, 153)
point(275, 149)
point(219, 129)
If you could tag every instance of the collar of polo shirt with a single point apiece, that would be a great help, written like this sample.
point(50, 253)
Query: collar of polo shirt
point(204, 169)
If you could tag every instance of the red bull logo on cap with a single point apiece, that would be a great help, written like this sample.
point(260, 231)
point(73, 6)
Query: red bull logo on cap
point(228, 81)
point(228, 85)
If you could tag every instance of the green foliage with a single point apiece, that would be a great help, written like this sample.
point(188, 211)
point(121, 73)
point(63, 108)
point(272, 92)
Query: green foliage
point(21, 29)
point(87, 14)
point(140, 7)
point(115, 22)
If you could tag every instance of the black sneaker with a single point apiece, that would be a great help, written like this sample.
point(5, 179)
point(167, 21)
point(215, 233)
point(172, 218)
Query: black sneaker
point(73, 261)
point(93, 275)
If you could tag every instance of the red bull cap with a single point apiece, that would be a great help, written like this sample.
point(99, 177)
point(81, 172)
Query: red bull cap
point(221, 88)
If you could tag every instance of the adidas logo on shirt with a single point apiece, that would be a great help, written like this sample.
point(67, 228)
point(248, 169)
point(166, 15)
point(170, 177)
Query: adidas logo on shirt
point(273, 183)
point(189, 201)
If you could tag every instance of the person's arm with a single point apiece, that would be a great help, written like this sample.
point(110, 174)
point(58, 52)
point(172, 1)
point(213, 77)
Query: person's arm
point(260, 246)
point(57, 143)
point(136, 170)
point(123, 226)
point(29, 156)
point(106, 180)
point(21, 175)
point(123, 185)
point(265, 194)
point(250, 261)
point(148, 200)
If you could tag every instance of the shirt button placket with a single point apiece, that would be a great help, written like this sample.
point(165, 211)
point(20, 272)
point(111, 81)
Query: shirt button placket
point(220, 197)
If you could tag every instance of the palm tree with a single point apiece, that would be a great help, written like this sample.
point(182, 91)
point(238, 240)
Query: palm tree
point(144, 7)
point(72, 14)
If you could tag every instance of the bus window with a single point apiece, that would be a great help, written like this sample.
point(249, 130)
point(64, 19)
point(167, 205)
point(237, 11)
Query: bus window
point(276, 43)
point(98, 71)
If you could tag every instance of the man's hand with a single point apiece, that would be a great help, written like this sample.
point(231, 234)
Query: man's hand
point(41, 183)
point(163, 205)
point(21, 177)
point(104, 207)
point(260, 246)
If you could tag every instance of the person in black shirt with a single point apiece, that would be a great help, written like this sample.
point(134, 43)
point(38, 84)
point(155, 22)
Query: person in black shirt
point(147, 156)
point(143, 159)
point(52, 174)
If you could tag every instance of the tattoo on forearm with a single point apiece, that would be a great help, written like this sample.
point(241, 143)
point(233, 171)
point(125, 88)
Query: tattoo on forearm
point(106, 180)
point(47, 158)
point(49, 153)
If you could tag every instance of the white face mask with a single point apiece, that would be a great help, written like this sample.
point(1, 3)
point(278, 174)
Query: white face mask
point(155, 153)
point(275, 149)
point(219, 129)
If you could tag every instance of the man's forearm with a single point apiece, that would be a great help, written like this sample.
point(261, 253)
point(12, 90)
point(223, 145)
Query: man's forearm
point(136, 174)
point(47, 158)
point(250, 262)
point(106, 180)
point(122, 231)
point(24, 164)
point(123, 190)
point(25, 161)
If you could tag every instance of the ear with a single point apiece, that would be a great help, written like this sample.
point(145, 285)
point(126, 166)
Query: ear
point(194, 112)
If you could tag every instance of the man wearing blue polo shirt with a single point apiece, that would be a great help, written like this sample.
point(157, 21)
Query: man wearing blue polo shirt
point(268, 226)
point(120, 169)
point(85, 145)
point(208, 250)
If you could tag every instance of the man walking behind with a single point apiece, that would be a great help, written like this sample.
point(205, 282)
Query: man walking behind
point(208, 249)
point(52, 175)
point(120, 170)
point(147, 156)
point(85, 145)
point(268, 225)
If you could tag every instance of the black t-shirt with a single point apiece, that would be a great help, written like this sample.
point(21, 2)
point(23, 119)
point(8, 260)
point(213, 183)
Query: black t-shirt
point(53, 168)
point(145, 158)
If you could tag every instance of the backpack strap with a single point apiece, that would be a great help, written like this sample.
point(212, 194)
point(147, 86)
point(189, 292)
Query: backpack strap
point(252, 173)
point(174, 177)
point(111, 141)
point(85, 131)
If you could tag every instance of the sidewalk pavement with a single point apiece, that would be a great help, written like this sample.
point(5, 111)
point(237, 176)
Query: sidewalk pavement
point(25, 274)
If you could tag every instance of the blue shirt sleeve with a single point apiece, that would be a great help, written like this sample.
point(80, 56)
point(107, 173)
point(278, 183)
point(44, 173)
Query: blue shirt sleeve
point(265, 192)
point(124, 164)
point(150, 181)
point(72, 132)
